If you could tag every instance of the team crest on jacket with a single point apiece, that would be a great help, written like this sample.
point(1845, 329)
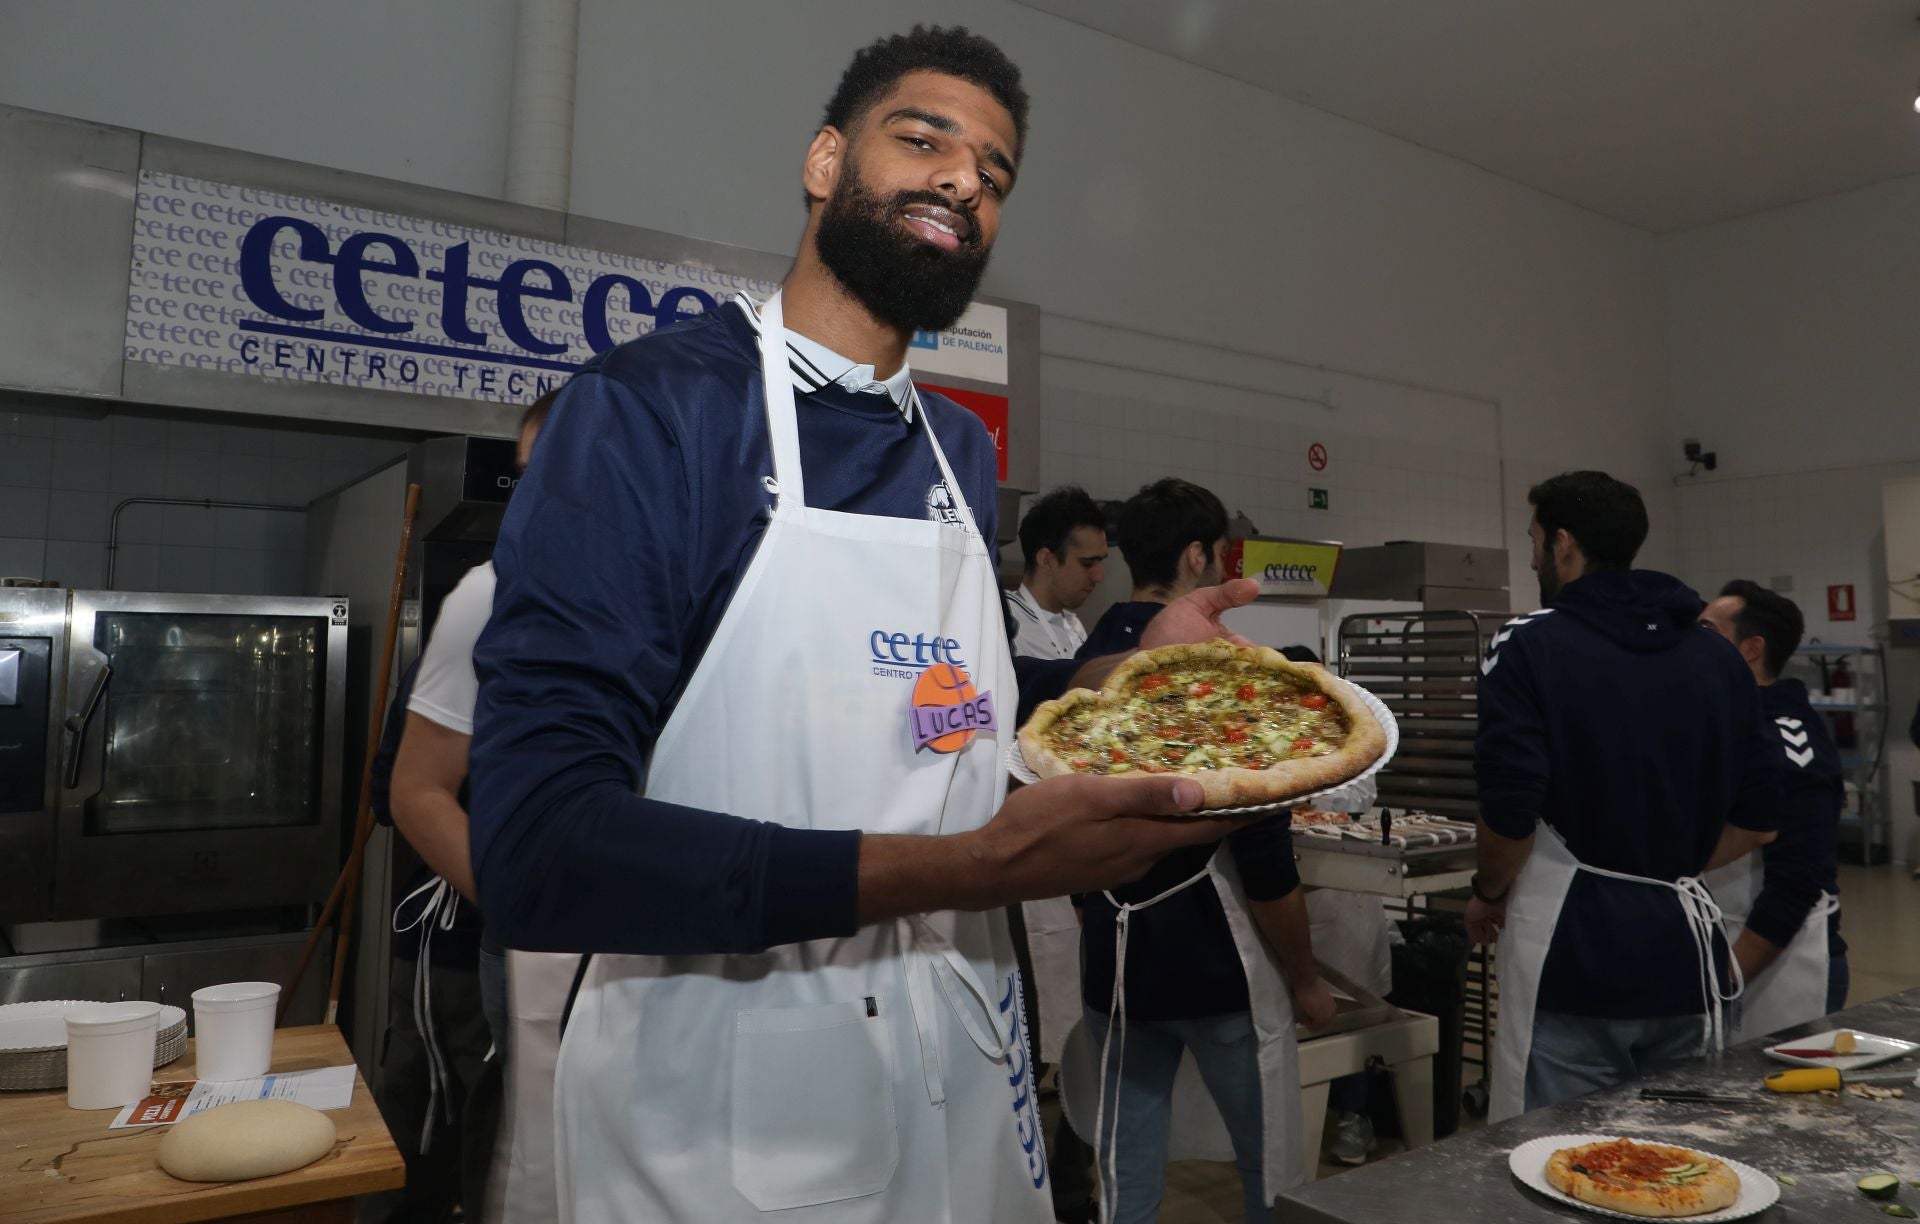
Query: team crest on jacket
point(942, 507)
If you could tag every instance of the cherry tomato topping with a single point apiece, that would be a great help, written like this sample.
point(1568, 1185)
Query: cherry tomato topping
point(1153, 767)
point(1314, 701)
point(1302, 744)
point(1203, 688)
point(1246, 693)
point(1083, 766)
point(1236, 735)
point(1174, 756)
point(1116, 756)
point(1154, 681)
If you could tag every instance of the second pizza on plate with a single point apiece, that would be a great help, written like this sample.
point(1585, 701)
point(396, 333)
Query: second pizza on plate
point(1248, 724)
point(1644, 1179)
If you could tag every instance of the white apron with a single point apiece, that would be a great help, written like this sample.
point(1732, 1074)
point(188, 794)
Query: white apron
point(1053, 948)
point(1350, 937)
point(873, 1078)
point(1793, 989)
point(1197, 1132)
point(1533, 910)
point(520, 1183)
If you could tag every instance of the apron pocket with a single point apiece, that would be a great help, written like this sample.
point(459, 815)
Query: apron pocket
point(813, 1118)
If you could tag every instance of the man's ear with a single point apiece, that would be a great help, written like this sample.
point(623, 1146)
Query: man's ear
point(1044, 558)
point(825, 156)
point(1564, 546)
point(1196, 557)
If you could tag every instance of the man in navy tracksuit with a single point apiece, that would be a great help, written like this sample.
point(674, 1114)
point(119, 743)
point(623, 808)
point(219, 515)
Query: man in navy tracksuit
point(1173, 535)
point(1766, 628)
point(1635, 739)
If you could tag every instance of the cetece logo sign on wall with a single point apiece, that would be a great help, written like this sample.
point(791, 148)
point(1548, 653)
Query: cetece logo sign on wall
point(249, 281)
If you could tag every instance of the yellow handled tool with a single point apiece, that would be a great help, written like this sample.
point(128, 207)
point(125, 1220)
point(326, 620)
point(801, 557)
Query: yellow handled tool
point(1826, 1079)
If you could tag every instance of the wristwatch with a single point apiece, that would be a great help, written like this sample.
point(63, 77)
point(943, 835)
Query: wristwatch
point(1474, 884)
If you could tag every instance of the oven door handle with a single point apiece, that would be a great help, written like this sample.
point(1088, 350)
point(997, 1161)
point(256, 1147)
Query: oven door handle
point(77, 724)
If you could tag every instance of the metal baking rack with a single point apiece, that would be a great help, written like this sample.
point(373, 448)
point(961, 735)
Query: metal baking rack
point(1426, 667)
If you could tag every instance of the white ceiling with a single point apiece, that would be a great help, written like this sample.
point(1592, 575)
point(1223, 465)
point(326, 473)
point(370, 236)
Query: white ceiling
point(1665, 114)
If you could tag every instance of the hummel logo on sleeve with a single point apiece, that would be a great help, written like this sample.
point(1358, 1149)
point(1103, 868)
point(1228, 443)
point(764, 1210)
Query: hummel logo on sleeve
point(1507, 631)
point(1797, 749)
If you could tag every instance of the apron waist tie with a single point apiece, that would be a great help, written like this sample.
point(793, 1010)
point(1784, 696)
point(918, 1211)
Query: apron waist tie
point(928, 953)
point(1704, 920)
point(1104, 1143)
point(441, 908)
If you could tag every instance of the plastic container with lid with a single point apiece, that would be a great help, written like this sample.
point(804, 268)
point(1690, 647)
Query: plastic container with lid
point(233, 1029)
point(110, 1053)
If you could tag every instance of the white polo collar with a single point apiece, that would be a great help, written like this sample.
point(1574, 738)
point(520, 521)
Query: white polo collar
point(813, 365)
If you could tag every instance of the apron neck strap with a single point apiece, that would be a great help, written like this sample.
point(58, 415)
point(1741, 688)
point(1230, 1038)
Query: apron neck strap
point(788, 485)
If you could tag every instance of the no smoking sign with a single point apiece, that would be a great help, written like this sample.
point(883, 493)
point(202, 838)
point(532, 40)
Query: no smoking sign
point(1317, 457)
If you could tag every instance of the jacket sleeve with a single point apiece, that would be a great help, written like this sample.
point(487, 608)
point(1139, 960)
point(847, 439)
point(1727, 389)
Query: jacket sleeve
point(1758, 802)
point(380, 777)
point(1797, 862)
point(1264, 854)
point(589, 635)
point(1511, 765)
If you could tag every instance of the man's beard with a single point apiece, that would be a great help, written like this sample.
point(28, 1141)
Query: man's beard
point(1549, 584)
point(902, 280)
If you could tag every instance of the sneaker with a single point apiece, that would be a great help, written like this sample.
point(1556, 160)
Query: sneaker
point(1353, 1139)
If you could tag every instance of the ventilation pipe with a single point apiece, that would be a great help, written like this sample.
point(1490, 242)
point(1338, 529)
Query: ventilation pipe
point(546, 42)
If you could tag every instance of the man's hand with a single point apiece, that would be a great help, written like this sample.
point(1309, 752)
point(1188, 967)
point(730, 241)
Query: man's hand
point(1485, 920)
point(1195, 616)
point(1084, 833)
point(1061, 835)
point(1754, 954)
point(1313, 1005)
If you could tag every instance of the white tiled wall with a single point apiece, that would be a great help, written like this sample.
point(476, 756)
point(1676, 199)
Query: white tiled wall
point(63, 470)
point(1118, 412)
point(1813, 529)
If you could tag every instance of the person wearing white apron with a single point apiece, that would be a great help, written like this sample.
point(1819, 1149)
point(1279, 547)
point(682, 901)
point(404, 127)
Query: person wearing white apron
point(1063, 546)
point(744, 700)
point(1618, 756)
point(1222, 1016)
point(1784, 903)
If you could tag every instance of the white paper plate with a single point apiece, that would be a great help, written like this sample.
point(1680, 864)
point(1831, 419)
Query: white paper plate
point(1528, 1163)
point(43, 1025)
point(1871, 1051)
point(1017, 764)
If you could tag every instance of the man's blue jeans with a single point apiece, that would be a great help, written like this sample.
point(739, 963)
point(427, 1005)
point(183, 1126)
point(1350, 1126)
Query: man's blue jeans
point(1142, 1093)
point(1575, 1055)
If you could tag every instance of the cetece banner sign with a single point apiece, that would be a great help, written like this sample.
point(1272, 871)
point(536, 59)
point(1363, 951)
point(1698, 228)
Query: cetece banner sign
point(249, 281)
point(1285, 567)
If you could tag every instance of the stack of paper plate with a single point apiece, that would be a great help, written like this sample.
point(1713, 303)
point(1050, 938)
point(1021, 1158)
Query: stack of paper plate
point(33, 1042)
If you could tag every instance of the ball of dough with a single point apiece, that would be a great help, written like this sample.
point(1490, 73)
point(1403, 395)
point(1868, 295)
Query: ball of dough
point(246, 1139)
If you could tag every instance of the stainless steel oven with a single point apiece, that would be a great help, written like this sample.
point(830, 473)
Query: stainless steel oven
point(184, 751)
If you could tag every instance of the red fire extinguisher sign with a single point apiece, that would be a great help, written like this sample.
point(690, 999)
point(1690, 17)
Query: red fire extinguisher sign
point(1840, 602)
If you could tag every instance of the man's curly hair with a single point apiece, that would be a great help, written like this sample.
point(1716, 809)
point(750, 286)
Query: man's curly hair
point(954, 51)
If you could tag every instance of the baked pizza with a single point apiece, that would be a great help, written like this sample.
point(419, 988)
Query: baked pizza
point(1643, 1179)
point(1247, 723)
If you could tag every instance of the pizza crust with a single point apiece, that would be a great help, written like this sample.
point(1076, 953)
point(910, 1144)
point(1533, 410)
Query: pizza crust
point(1234, 787)
point(1718, 1188)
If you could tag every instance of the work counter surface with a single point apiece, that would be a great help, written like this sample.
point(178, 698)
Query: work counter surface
point(64, 1164)
point(1825, 1143)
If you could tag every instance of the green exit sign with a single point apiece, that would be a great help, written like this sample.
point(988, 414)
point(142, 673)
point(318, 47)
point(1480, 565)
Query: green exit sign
point(1316, 499)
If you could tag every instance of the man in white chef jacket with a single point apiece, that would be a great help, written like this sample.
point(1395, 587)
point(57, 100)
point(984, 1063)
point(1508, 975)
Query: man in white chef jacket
point(745, 699)
point(1063, 542)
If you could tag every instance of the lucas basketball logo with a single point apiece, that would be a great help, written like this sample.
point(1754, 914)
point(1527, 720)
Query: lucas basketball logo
point(941, 507)
point(947, 713)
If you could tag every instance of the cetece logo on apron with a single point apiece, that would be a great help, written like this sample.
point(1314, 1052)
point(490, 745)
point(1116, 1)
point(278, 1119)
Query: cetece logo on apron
point(945, 712)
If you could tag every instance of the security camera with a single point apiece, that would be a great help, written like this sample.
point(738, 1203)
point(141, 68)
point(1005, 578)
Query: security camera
point(1698, 457)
